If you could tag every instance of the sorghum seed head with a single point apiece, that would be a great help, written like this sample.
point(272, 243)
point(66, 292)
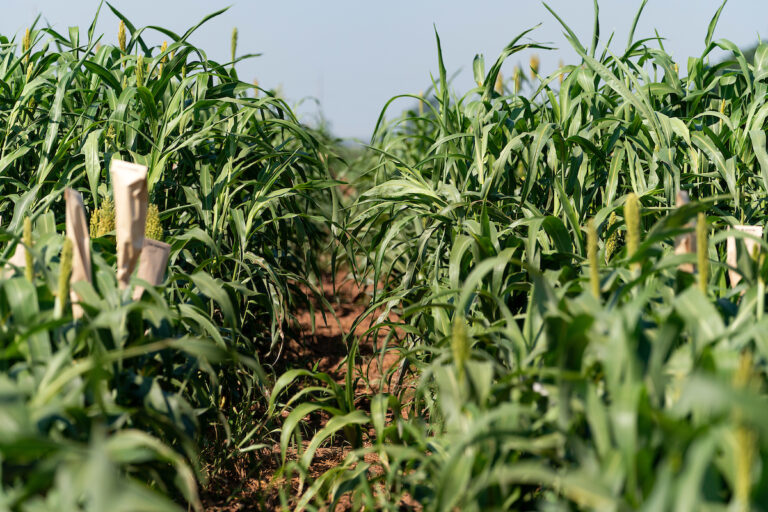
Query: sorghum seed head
point(702, 232)
point(632, 220)
point(121, 36)
point(153, 228)
point(460, 344)
point(613, 241)
point(65, 270)
point(103, 219)
point(594, 276)
point(234, 43)
point(534, 65)
point(140, 71)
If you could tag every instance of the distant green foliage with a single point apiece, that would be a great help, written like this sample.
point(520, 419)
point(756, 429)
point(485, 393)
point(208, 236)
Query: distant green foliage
point(112, 410)
point(472, 215)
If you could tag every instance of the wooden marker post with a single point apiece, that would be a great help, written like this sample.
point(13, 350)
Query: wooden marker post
point(77, 231)
point(129, 187)
point(152, 264)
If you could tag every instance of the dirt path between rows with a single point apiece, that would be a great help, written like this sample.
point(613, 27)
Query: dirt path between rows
point(324, 349)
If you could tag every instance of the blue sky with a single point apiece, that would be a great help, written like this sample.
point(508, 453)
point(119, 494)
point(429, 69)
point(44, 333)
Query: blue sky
point(355, 55)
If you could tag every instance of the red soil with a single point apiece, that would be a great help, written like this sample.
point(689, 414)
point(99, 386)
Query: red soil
point(325, 348)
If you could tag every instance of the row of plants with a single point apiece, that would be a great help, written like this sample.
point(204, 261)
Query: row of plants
point(130, 403)
point(557, 349)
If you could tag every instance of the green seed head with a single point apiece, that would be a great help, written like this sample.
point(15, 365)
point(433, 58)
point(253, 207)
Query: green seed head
point(65, 270)
point(702, 232)
point(744, 372)
point(140, 71)
point(163, 49)
point(632, 220)
point(534, 65)
point(234, 43)
point(29, 270)
point(110, 134)
point(746, 437)
point(26, 43)
point(460, 344)
point(421, 103)
point(153, 229)
point(517, 76)
point(121, 36)
point(613, 241)
point(499, 83)
point(594, 275)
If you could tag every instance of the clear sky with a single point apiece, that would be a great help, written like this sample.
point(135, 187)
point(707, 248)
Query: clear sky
point(353, 55)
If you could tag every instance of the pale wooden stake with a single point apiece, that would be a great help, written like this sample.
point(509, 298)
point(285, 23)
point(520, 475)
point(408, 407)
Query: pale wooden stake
point(129, 187)
point(77, 231)
point(152, 264)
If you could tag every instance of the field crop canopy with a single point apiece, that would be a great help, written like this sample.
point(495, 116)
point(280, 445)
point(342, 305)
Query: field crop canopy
point(546, 293)
point(110, 409)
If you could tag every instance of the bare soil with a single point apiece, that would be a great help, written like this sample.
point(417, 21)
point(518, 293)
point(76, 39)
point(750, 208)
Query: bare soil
point(324, 348)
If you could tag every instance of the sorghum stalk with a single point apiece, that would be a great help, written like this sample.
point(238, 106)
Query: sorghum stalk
point(702, 232)
point(561, 76)
point(517, 77)
point(632, 220)
point(29, 270)
point(594, 275)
